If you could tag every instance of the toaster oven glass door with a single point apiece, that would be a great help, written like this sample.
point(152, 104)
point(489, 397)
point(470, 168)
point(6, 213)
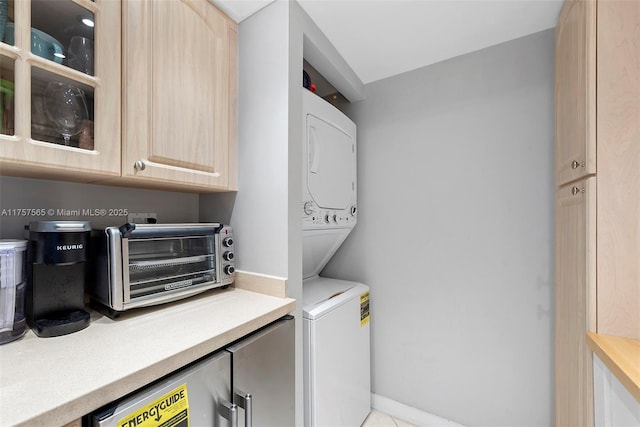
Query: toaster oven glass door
point(164, 265)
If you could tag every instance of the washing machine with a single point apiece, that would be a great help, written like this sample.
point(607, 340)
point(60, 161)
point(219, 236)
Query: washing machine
point(336, 312)
point(336, 353)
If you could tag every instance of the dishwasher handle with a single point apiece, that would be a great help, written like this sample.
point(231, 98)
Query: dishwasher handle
point(229, 411)
point(244, 400)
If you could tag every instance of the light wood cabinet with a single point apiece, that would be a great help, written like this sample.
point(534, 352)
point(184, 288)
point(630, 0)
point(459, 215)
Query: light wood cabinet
point(575, 91)
point(43, 43)
point(168, 122)
point(179, 92)
point(619, 168)
point(598, 238)
point(575, 301)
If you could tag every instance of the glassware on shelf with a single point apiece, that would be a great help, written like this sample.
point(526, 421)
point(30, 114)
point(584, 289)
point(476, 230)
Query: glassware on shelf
point(66, 108)
point(80, 54)
point(6, 106)
point(4, 17)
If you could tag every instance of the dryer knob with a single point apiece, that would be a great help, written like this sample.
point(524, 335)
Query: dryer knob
point(326, 218)
point(335, 218)
point(353, 210)
point(307, 208)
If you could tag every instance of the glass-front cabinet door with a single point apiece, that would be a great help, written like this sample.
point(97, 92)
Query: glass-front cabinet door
point(60, 88)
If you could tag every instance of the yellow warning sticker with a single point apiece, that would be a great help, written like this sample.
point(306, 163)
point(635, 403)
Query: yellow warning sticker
point(170, 410)
point(364, 309)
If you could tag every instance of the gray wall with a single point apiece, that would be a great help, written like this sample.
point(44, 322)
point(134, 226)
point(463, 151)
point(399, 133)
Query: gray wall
point(455, 234)
point(22, 193)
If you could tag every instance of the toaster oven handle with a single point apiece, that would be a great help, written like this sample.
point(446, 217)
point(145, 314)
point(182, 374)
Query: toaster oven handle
point(144, 231)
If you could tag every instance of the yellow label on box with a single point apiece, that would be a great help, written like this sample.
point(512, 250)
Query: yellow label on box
point(170, 410)
point(364, 309)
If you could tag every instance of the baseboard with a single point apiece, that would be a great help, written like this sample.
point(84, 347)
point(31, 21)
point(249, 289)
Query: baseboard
point(409, 413)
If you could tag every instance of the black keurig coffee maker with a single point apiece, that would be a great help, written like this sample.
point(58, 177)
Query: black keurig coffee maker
point(56, 258)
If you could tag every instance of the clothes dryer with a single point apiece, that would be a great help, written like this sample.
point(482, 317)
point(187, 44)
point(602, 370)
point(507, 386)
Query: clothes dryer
point(329, 209)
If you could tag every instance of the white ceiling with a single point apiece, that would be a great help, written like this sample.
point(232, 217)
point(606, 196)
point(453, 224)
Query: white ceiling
point(382, 38)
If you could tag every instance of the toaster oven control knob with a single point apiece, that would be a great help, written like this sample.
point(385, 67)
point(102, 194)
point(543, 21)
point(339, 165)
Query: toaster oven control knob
point(227, 242)
point(228, 256)
point(229, 270)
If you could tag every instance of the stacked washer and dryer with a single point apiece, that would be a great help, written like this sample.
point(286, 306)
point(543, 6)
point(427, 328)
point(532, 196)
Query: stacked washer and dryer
point(336, 312)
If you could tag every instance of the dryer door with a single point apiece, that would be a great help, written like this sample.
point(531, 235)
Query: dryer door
point(332, 164)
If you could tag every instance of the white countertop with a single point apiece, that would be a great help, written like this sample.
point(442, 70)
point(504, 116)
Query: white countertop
point(53, 381)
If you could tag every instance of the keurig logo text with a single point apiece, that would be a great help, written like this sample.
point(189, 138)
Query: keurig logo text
point(69, 247)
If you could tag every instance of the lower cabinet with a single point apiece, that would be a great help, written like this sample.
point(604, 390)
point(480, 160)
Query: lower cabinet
point(251, 381)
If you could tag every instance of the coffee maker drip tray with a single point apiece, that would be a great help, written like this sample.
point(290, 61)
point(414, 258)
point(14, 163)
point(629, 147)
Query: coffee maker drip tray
point(63, 324)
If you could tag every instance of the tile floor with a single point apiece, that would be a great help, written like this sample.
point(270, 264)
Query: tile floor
point(380, 419)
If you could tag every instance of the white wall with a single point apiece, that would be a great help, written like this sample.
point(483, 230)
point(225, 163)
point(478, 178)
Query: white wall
point(265, 210)
point(455, 234)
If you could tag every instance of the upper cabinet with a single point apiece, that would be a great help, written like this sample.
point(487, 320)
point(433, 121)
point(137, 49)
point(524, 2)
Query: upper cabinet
point(179, 94)
point(60, 88)
point(576, 91)
point(134, 92)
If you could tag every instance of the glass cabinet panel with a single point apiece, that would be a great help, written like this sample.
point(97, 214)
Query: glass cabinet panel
point(6, 21)
point(62, 110)
point(64, 92)
point(7, 93)
point(63, 31)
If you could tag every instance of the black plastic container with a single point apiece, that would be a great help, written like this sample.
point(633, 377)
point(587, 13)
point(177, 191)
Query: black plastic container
point(56, 261)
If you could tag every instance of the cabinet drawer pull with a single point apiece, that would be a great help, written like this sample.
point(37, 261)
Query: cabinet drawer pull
point(139, 165)
point(228, 411)
point(575, 190)
point(576, 164)
point(244, 400)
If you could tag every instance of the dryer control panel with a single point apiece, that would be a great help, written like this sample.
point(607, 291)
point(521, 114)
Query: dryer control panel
point(314, 216)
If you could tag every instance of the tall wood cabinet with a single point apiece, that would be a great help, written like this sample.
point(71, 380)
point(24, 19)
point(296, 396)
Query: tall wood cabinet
point(598, 190)
point(156, 82)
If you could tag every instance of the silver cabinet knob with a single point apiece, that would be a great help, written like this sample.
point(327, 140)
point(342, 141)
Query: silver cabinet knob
point(576, 164)
point(139, 165)
point(575, 190)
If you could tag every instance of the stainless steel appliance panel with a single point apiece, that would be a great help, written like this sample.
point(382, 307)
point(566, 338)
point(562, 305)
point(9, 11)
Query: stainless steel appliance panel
point(264, 369)
point(196, 396)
